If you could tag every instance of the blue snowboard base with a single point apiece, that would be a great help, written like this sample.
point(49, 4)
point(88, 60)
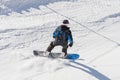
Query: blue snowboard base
point(73, 56)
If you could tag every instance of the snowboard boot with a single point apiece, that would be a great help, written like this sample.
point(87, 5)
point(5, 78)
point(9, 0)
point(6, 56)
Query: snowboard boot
point(63, 55)
point(46, 53)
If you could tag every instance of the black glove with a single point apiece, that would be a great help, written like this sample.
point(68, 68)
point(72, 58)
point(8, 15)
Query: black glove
point(70, 44)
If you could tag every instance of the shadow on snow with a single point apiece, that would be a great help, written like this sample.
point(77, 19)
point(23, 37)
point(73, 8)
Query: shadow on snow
point(88, 70)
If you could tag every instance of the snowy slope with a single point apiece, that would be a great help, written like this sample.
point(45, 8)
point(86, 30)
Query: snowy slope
point(8, 6)
point(29, 26)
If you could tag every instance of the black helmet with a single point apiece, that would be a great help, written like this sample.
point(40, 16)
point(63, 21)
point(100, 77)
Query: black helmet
point(65, 22)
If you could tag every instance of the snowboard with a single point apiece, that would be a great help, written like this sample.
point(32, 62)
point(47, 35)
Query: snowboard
point(54, 55)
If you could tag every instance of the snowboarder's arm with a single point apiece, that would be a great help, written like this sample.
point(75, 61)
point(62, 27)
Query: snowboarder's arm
point(70, 39)
point(54, 34)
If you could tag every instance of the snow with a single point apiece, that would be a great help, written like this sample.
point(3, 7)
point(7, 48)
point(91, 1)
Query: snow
point(27, 25)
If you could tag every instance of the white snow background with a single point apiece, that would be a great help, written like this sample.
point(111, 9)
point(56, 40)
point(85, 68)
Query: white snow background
point(27, 25)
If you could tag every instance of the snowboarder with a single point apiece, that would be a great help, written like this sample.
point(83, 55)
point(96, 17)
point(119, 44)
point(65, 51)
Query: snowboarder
point(63, 37)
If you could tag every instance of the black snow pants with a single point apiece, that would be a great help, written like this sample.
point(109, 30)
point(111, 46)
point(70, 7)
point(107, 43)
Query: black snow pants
point(54, 43)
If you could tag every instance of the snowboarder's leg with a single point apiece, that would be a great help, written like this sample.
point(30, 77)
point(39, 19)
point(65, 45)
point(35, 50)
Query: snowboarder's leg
point(50, 47)
point(64, 50)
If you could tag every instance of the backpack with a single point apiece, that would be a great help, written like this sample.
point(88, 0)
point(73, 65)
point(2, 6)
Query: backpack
point(62, 33)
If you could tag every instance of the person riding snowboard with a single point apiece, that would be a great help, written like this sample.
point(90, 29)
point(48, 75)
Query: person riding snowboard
point(63, 37)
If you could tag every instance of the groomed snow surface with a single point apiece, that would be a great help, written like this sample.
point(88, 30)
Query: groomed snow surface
point(27, 25)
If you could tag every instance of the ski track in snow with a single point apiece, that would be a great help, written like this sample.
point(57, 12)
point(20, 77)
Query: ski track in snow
point(18, 35)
